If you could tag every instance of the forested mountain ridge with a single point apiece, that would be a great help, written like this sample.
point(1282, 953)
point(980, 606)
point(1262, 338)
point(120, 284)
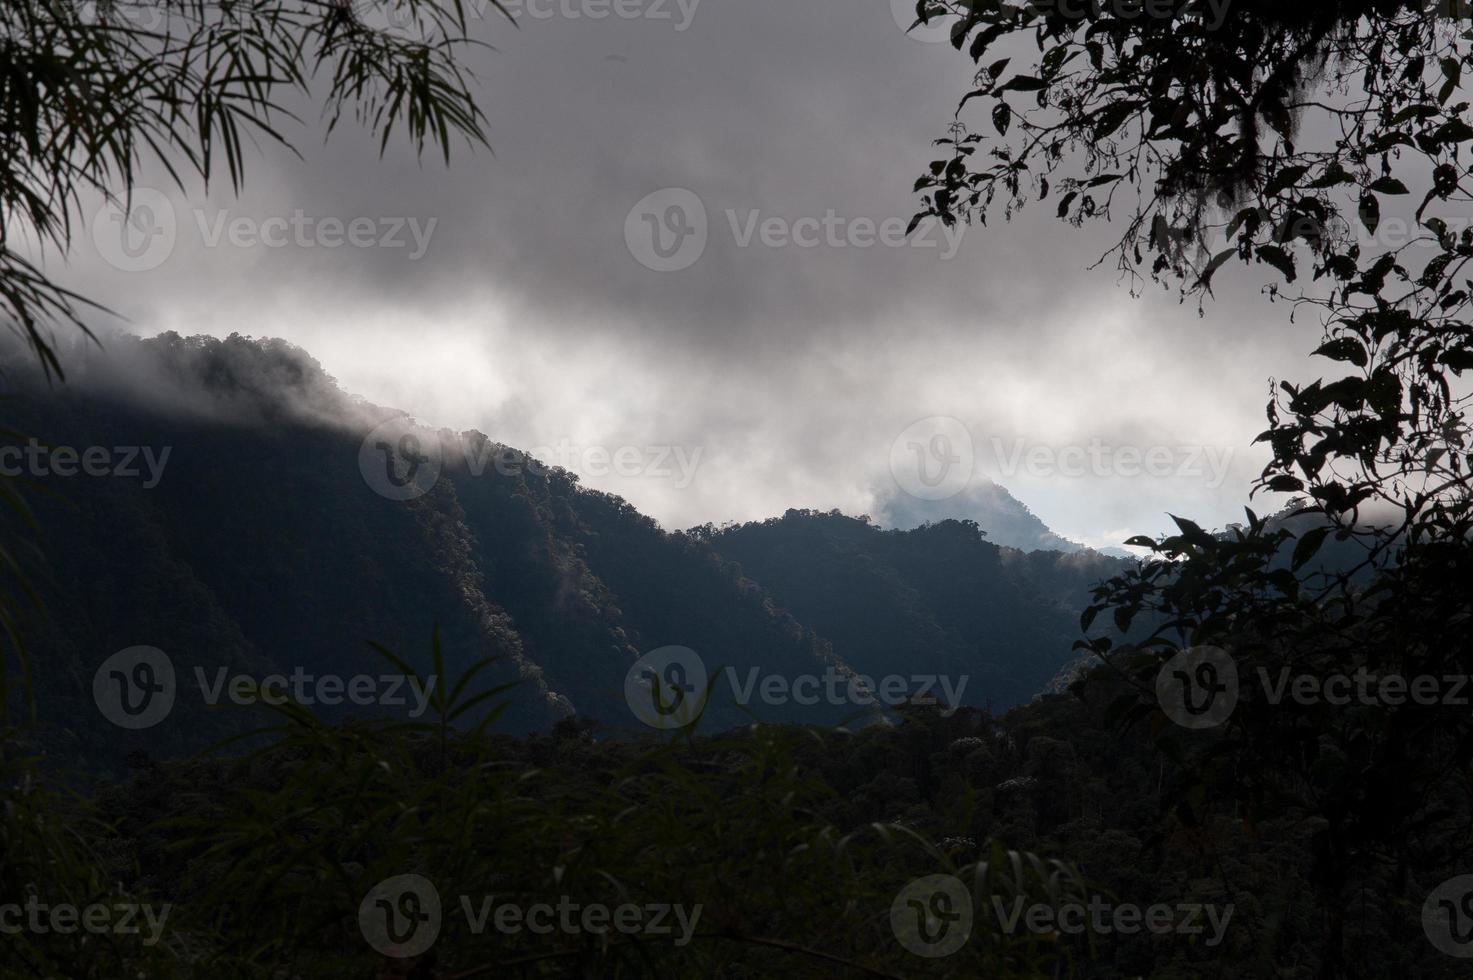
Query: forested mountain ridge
point(940, 598)
point(257, 545)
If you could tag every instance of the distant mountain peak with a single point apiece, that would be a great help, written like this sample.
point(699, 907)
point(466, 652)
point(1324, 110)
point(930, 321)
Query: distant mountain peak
point(1005, 519)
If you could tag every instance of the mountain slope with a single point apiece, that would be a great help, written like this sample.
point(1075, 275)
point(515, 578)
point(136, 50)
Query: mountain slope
point(937, 599)
point(263, 544)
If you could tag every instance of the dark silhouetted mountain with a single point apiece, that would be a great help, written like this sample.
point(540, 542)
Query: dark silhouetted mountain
point(937, 599)
point(263, 549)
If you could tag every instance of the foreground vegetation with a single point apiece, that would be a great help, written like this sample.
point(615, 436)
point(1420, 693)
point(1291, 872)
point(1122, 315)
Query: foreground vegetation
point(792, 843)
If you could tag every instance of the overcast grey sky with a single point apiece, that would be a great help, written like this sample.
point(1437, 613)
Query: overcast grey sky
point(507, 292)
